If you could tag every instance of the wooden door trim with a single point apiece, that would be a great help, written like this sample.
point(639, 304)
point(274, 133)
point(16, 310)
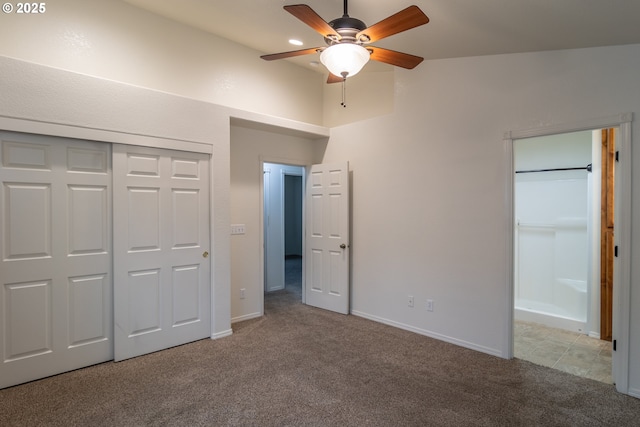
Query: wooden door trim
point(607, 244)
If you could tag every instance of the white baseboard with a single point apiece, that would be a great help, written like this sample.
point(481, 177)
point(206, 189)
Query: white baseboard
point(635, 392)
point(222, 334)
point(445, 338)
point(245, 317)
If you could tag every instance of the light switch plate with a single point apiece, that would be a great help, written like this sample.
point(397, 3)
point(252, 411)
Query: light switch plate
point(237, 229)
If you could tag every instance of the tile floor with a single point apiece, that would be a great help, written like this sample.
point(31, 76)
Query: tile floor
point(566, 351)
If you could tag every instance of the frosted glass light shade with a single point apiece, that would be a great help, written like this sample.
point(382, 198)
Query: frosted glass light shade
point(343, 58)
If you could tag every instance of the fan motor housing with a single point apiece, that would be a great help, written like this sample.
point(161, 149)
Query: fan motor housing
point(347, 27)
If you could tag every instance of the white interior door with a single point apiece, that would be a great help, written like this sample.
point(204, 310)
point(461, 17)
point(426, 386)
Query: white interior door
point(55, 253)
point(327, 237)
point(161, 241)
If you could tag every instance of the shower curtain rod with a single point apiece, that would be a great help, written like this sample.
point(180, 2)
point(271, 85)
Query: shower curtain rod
point(587, 168)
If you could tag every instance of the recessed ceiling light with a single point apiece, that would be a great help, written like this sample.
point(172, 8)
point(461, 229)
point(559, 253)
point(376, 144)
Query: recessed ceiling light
point(295, 42)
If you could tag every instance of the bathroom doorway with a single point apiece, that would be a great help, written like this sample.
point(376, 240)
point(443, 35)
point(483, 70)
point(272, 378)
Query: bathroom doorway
point(562, 183)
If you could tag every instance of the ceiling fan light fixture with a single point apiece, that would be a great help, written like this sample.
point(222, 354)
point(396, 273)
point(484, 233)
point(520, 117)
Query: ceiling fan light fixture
point(344, 59)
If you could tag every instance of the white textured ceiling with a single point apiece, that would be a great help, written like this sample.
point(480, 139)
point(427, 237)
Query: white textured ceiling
point(457, 28)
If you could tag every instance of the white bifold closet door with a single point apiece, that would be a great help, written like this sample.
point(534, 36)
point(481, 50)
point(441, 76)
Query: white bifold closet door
point(63, 283)
point(162, 292)
point(55, 256)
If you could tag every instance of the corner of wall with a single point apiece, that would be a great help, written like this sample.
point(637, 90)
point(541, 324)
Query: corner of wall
point(369, 94)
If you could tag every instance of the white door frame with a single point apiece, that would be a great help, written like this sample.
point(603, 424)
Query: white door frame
point(622, 264)
point(286, 162)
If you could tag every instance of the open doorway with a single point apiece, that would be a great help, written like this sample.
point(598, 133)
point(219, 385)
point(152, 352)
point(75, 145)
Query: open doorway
point(283, 229)
point(563, 185)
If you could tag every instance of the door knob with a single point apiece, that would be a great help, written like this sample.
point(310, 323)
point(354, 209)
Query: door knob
point(343, 246)
point(205, 254)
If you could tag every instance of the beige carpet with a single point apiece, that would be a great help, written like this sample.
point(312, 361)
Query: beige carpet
point(301, 366)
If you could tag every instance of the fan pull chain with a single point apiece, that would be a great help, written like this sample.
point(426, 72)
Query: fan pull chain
point(344, 93)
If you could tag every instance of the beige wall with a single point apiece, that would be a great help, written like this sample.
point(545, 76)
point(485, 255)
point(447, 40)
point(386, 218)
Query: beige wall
point(113, 40)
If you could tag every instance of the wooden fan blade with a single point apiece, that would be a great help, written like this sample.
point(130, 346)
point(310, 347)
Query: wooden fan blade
point(406, 19)
point(312, 19)
point(392, 57)
point(293, 53)
point(334, 79)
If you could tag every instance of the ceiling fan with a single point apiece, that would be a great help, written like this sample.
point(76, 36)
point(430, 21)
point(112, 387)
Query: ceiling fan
point(347, 39)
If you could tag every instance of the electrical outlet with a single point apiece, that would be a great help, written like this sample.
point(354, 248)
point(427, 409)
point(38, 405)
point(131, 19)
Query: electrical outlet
point(410, 301)
point(429, 305)
point(242, 293)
